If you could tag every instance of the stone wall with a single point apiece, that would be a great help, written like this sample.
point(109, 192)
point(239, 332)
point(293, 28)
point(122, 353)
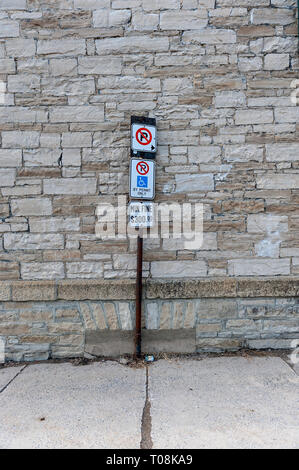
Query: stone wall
point(44, 330)
point(48, 319)
point(218, 75)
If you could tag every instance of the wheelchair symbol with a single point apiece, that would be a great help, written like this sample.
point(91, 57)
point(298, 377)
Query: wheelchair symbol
point(142, 181)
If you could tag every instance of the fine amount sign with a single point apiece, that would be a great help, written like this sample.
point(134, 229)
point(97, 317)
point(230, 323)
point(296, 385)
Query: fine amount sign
point(141, 214)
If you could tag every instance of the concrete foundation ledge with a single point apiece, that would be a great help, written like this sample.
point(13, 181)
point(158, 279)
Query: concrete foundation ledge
point(85, 289)
point(96, 290)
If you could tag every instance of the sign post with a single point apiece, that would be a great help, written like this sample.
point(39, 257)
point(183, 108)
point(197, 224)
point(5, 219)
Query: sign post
point(138, 296)
point(142, 190)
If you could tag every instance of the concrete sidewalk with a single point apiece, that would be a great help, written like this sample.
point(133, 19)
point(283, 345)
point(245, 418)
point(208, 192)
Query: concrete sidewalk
point(221, 402)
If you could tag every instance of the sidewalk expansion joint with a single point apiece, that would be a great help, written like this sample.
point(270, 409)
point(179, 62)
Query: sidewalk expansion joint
point(146, 422)
point(289, 363)
point(7, 385)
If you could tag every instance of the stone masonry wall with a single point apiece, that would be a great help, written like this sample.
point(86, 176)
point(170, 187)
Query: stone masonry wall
point(217, 75)
point(57, 329)
point(221, 78)
point(42, 320)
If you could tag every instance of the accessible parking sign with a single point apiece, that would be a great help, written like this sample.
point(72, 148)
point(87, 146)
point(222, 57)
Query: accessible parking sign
point(142, 179)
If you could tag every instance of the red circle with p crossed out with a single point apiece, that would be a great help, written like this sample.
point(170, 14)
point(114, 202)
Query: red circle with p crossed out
point(142, 168)
point(144, 136)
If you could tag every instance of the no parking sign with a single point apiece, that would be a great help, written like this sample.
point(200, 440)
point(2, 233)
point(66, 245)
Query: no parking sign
point(143, 137)
point(142, 179)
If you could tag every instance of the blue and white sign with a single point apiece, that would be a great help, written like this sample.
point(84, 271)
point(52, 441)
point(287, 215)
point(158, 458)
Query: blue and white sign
point(142, 179)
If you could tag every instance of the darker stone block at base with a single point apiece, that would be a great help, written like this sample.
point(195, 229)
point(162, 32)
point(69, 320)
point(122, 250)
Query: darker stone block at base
point(116, 343)
point(109, 343)
point(169, 341)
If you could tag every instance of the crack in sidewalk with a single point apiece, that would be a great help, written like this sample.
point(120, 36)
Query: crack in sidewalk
point(146, 422)
point(7, 385)
point(285, 357)
point(290, 364)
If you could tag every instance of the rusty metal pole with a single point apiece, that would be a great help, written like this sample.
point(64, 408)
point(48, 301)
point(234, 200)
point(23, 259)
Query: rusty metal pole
point(138, 296)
